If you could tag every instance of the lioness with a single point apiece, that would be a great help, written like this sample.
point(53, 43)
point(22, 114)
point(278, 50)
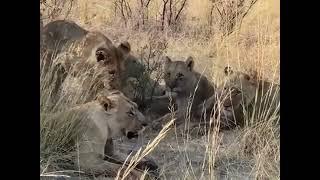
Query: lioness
point(74, 50)
point(244, 96)
point(190, 88)
point(110, 115)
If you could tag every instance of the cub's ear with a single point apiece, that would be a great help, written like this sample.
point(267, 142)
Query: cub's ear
point(253, 74)
point(124, 47)
point(190, 63)
point(167, 60)
point(228, 70)
point(105, 102)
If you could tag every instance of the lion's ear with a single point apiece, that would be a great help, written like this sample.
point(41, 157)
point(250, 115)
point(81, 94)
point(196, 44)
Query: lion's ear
point(105, 102)
point(124, 47)
point(253, 74)
point(190, 63)
point(167, 60)
point(228, 70)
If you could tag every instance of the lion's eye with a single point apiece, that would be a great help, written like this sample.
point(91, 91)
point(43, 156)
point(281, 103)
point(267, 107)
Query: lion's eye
point(247, 77)
point(131, 113)
point(107, 59)
point(180, 75)
point(168, 74)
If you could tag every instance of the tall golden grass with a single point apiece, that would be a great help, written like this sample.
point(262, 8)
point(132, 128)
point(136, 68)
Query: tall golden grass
point(252, 152)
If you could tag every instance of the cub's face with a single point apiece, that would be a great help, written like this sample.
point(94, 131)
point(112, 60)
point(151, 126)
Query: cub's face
point(239, 86)
point(127, 119)
point(178, 74)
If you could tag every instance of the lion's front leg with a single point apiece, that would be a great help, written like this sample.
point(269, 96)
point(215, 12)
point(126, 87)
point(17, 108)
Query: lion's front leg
point(91, 160)
point(94, 165)
point(109, 154)
point(158, 123)
point(91, 157)
point(144, 164)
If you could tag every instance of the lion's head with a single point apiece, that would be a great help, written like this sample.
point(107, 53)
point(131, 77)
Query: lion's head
point(240, 86)
point(125, 119)
point(179, 75)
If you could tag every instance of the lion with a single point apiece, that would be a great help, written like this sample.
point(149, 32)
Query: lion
point(57, 34)
point(109, 116)
point(72, 50)
point(189, 88)
point(137, 84)
point(244, 97)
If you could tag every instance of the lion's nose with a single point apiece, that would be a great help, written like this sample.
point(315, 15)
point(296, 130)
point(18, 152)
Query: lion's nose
point(171, 85)
point(112, 72)
point(144, 124)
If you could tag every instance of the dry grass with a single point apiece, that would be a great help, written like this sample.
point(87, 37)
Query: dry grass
point(252, 152)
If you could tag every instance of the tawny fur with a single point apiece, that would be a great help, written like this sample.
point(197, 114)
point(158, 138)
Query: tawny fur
point(242, 95)
point(110, 115)
point(189, 87)
point(74, 51)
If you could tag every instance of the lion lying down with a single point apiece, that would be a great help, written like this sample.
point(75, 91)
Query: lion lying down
point(109, 116)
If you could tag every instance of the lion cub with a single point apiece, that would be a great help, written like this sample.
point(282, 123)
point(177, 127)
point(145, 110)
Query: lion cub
point(244, 96)
point(190, 88)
